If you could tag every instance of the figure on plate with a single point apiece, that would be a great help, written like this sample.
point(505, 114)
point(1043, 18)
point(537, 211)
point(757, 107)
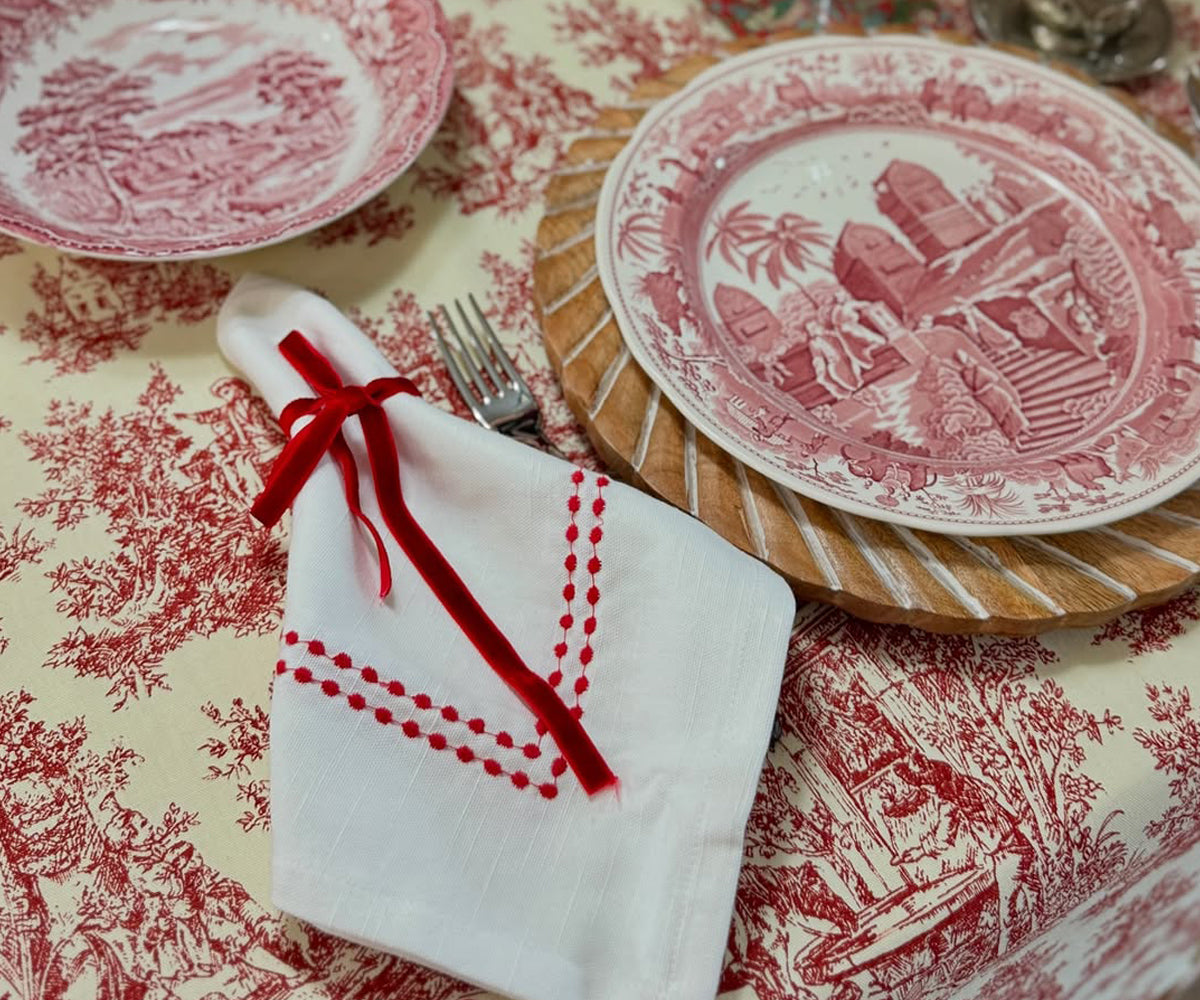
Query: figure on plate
point(843, 348)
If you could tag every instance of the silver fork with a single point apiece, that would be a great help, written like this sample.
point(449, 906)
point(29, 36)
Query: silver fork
point(486, 378)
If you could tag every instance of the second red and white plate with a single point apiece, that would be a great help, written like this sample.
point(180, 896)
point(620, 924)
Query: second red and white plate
point(941, 286)
point(189, 128)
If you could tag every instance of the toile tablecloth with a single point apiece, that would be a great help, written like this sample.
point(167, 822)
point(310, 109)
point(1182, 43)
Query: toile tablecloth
point(1001, 819)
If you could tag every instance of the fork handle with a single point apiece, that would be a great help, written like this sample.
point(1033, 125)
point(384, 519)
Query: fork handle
point(536, 437)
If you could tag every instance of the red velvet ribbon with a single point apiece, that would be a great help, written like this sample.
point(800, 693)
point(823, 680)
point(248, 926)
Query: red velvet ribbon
point(330, 408)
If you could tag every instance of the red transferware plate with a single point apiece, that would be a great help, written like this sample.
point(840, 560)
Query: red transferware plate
point(940, 286)
point(192, 128)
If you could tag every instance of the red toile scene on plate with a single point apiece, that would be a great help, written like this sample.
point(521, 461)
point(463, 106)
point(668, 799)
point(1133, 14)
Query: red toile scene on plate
point(889, 278)
point(214, 129)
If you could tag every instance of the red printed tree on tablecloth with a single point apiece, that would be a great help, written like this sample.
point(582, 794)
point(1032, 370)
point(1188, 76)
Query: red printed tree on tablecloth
point(980, 703)
point(1027, 977)
point(17, 547)
point(609, 31)
point(189, 560)
point(80, 129)
point(1175, 745)
point(402, 336)
point(917, 776)
point(90, 310)
point(101, 901)
point(242, 744)
point(1153, 629)
point(1141, 932)
point(509, 120)
point(8, 246)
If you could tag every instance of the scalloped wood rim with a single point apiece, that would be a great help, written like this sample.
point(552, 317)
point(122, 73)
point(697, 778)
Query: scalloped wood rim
point(878, 571)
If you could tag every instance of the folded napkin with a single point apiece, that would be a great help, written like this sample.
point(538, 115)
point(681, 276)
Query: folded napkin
point(531, 763)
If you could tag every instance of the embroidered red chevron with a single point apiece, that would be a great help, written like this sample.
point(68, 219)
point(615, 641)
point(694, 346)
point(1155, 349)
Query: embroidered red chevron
point(336, 402)
point(468, 737)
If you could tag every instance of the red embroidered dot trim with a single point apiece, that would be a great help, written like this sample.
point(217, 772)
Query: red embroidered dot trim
point(440, 741)
point(571, 589)
point(568, 619)
point(586, 652)
point(395, 688)
point(412, 729)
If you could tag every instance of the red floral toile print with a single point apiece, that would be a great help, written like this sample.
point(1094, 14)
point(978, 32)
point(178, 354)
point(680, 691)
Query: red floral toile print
point(1029, 977)
point(928, 809)
point(1175, 745)
point(403, 337)
point(103, 902)
point(242, 744)
point(1142, 931)
point(89, 311)
point(188, 560)
point(1153, 629)
point(608, 32)
point(18, 546)
point(510, 119)
point(8, 246)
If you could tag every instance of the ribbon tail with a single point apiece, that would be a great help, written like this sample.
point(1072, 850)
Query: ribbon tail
point(341, 453)
point(577, 748)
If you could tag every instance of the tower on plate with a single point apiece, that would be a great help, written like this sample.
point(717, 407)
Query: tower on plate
point(933, 219)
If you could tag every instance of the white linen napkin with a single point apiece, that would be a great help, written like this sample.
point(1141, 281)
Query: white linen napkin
point(415, 806)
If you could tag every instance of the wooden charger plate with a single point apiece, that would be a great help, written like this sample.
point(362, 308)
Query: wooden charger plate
point(881, 572)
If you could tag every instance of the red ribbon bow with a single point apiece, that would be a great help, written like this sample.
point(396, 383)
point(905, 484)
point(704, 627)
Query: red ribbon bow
point(333, 404)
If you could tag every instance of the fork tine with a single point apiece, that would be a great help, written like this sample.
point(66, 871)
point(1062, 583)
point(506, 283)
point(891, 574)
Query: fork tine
point(501, 356)
point(451, 364)
point(483, 350)
point(468, 362)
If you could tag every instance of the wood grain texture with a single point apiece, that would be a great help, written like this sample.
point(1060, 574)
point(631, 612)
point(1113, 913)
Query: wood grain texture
point(881, 572)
